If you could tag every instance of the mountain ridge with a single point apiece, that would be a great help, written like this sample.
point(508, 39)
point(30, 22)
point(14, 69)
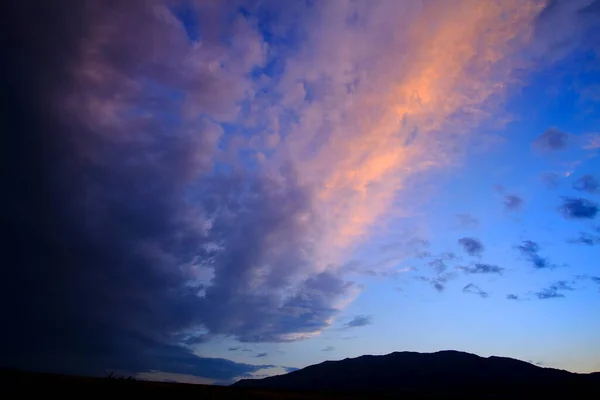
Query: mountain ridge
point(445, 370)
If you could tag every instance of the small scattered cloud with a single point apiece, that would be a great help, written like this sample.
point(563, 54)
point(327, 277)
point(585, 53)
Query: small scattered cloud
point(530, 250)
point(593, 141)
point(578, 208)
point(587, 183)
point(438, 265)
point(474, 289)
point(467, 220)
point(586, 238)
point(550, 179)
point(261, 355)
point(553, 139)
point(233, 349)
point(423, 254)
point(328, 348)
point(483, 269)
point(554, 291)
point(438, 282)
point(512, 297)
point(512, 202)
point(359, 320)
point(471, 246)
point(448, 256)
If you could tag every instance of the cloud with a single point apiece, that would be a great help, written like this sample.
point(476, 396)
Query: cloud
point(554, 291)
point(531, 251)
point(467, 220)
point(438, 265)
point(552, 139)
point(439, 281)
point(474, 289)
point(472, 246)
point(512, 297)
point(233, 349)
point(587, 183)
point(483, 269)
point(328, 348)
point(512, 202)
point(261, 355)
point(359, 320)
point(139, 223)
point(550, 179)
point(578, 208)
point(586, 238)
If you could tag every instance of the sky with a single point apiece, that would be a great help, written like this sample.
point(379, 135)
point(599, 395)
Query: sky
point(205, 190)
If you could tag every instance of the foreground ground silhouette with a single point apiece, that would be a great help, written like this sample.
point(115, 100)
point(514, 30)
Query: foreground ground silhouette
point(405, 375)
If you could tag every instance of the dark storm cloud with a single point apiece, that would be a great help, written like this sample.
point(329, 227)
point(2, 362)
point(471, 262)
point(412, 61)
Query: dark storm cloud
point(554, 291)
point(531, 251)
point(512, 202)
point(551, 140)
point(483, 269)
point(578, 208)
point(474, 289)
point(587, 183)
point(472, 246)
point(112, 216)
point(359, 320)
point(512, 297)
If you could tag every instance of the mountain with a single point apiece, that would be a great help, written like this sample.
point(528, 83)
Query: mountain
point(440, 372)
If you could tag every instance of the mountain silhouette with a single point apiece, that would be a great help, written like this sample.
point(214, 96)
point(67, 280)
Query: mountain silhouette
point(440, 372)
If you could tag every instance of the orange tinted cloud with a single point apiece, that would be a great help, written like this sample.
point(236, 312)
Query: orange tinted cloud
point(440, 71)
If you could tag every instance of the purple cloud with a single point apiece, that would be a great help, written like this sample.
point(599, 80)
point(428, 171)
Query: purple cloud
point(472, 246)
point(554, 291)
point(578, 208)
point(512, 202)
point(474, 289)
point(551, 140)
point(531, 251)
point(587, 183)
point(359, 320)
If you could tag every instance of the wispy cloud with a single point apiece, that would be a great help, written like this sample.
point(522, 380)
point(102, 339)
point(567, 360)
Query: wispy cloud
point(550, 179)
point(472, 246)
point(587, 183)
point(467, 220)
point(482, 269)
point(359, 320)
point(261, 355)
point(578, 208)
point(554, 291)
point(328, 348)
point(512, 297)
point(552, 139)
point(474, 289)
point(586, 238)
point(512, 202)
point(531, 251)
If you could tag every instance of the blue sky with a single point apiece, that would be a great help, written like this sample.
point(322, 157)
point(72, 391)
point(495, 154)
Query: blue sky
point(246, 187)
